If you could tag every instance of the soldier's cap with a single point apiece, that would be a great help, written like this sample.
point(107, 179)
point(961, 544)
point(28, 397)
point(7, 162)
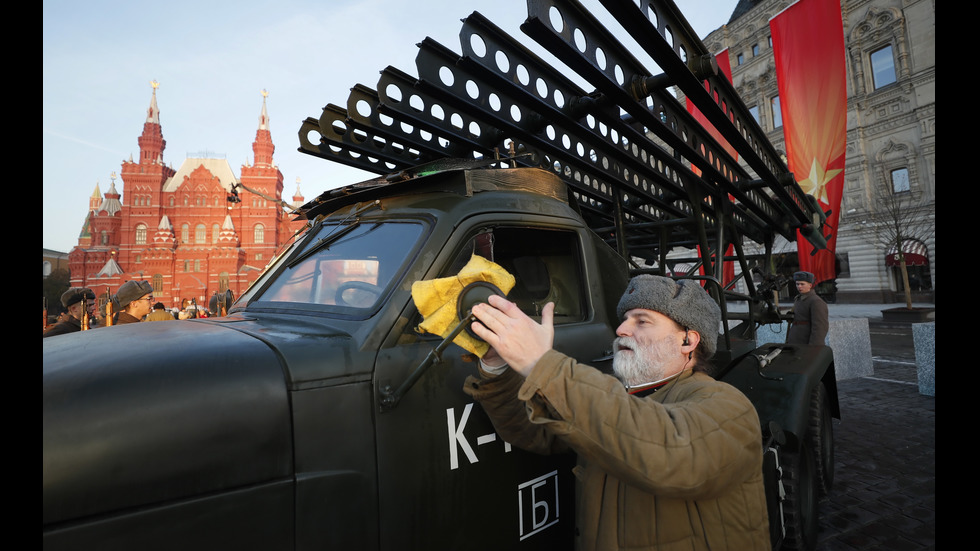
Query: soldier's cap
point(76, 295)
point(803, 276)
point(682, 300)
point(132, 290)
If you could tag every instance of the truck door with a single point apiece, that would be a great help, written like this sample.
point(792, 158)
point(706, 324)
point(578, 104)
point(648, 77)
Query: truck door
point(446, 479)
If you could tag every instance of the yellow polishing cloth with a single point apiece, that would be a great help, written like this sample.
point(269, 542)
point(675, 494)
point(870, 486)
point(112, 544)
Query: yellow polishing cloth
point(436, 300)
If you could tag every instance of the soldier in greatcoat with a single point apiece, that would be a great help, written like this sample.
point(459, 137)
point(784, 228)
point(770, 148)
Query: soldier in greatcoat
point(810, 320)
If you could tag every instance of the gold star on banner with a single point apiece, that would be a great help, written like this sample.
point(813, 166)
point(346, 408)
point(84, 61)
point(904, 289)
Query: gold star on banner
point(816, 183)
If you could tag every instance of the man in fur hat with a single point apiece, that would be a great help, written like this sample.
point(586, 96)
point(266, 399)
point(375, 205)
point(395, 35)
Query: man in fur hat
point(133, 301)
point(78, 301)
point(810, 319)
point(669, 458)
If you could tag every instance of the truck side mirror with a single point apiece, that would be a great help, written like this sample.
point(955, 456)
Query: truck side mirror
point(471, 295)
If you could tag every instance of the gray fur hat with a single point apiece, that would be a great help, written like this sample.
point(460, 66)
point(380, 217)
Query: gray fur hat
point(132, 290)
point(682, 300)
point(803, 276)
point(76, 295)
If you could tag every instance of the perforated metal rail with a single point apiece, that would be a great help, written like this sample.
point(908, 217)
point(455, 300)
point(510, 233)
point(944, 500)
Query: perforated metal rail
point(625, 148)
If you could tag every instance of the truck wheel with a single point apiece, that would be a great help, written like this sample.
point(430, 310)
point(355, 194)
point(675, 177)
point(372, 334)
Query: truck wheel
point(821, 439)
point(800, 505)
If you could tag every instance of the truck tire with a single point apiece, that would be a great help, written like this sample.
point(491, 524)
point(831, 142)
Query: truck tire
point(821, 439)
point(800, 505)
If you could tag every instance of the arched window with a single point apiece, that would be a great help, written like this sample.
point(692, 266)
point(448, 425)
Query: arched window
point(140, 235)
point(185, 233)
point(259, 233)
point(200, 234)
point(215, 231)
point(222, 281)
point(104, 236)
point(158, 283)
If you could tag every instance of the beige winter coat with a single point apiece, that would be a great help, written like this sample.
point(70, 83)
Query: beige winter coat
point(679, 469)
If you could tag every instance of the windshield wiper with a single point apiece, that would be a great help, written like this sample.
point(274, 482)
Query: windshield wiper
point(333, 237)
point(324, 242)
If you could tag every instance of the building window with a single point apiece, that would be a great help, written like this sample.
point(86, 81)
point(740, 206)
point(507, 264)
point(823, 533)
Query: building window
point(215, 231)
point(777, 114)
point(185, 233)
point(187, 266)
point(882, 67)
point(844, 261)
point(104, 237)
point(157, 283)
point(222, 281)
point(740, 59)
point(140, 234)
point(755, 50)
point(259, 233)
point(200, 234)
point(754, 111)
point(171, 201)
point(197, 265)
point(900, 180)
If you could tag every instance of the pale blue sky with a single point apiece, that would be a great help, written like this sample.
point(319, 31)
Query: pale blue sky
point(212, 59)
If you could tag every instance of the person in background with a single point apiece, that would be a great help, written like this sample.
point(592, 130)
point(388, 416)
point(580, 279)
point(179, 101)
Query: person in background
point(668, 457)
point(159, 313)
point(810, 317)
point(77, 300)
point(132, 301)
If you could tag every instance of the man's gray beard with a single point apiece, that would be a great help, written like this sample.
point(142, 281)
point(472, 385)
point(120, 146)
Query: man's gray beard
point(646, 363)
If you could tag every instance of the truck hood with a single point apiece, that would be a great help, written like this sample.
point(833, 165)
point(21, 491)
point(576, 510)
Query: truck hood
point(147, 413)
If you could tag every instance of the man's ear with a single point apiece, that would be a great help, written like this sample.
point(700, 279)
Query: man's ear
point(691, 341)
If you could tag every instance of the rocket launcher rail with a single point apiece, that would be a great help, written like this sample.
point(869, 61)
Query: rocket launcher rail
point(625, 147)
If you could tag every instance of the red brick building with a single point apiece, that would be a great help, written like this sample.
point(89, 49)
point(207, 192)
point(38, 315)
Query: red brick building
point(177, 229)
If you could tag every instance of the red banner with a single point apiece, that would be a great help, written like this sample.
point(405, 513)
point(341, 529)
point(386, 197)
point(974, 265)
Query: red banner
point(808, 46)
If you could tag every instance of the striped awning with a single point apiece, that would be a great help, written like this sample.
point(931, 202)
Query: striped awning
point(915, 251)
point(680, 269)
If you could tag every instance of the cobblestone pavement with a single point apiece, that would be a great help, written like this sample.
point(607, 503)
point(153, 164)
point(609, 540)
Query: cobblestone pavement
point(884, 494)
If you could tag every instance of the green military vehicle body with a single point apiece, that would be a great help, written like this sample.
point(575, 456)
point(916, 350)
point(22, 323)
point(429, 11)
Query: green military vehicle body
point(316, 415)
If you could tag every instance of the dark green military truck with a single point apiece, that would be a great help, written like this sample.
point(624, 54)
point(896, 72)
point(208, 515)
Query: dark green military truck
point(315, 415)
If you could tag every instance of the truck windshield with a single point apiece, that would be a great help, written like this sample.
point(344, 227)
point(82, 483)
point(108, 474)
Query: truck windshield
point(345, 266)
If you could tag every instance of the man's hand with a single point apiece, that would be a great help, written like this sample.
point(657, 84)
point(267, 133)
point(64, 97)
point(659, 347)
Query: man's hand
point(517, 338)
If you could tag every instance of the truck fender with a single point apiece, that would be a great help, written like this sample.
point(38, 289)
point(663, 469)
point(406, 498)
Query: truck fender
point(781, 389)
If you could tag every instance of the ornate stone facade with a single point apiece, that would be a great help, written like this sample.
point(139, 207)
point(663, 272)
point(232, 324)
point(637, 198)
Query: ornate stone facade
point(179, 229)
point(891, 120)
